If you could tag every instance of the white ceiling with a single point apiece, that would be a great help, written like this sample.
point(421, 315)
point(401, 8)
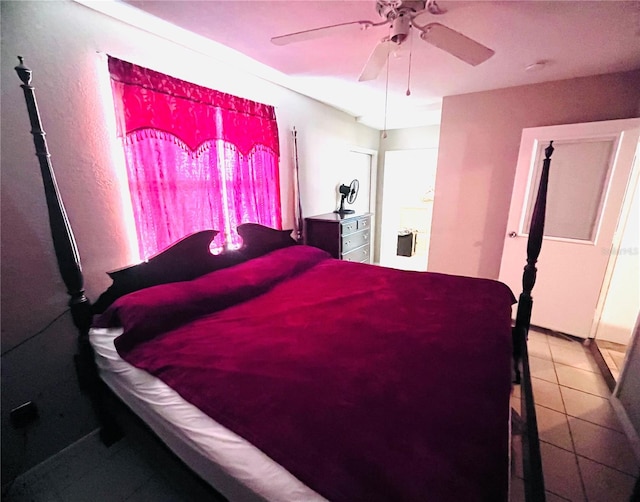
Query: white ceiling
point(574, 38)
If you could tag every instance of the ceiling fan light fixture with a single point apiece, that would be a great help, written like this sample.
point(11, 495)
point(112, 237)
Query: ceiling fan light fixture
point(400, 16)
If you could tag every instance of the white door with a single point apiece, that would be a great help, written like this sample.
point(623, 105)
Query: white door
point(588, 177)
point(407, 204)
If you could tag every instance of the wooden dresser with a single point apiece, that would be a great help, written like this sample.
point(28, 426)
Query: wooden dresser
point(344, 236)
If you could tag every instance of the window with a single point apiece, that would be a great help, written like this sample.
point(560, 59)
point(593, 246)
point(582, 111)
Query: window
point(196, 158)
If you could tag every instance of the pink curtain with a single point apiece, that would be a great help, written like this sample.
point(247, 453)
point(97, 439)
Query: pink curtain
point(196, 158)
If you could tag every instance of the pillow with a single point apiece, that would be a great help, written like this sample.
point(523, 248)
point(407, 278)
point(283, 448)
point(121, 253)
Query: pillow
point(149, 312)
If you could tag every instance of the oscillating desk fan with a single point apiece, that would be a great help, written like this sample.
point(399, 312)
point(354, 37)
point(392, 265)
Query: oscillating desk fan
point(348, 193)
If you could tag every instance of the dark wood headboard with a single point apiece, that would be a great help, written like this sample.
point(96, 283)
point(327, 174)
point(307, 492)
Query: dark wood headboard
point(189, 258)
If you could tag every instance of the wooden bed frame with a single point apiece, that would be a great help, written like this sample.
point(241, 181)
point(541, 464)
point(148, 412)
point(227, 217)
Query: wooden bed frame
point(190, 258)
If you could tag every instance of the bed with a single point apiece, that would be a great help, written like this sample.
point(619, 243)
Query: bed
point(276, 372)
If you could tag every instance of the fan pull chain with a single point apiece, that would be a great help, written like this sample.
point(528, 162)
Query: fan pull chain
point(410, 55)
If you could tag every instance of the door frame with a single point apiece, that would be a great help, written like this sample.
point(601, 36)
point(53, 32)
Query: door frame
point(632, 185)
point(373, 173)
point(373, 187)
point(616, 403)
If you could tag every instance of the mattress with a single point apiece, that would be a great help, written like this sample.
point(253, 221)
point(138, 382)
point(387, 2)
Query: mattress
point(237, 469)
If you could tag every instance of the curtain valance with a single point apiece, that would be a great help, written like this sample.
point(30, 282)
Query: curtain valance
point(150, 100)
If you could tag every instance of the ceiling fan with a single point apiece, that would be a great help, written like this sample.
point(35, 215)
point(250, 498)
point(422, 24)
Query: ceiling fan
point(401, 16)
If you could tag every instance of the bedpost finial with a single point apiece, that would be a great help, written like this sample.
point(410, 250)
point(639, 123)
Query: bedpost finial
point(549, 150)
point(23, 72)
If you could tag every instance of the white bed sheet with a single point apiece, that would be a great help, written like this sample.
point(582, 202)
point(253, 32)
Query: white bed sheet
point(236, 468)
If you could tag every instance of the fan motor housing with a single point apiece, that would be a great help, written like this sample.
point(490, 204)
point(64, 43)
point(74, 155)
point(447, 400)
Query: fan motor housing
point(391, 9)
point(400, 28)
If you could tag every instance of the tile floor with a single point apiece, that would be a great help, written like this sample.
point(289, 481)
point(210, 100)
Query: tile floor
point(585, 455)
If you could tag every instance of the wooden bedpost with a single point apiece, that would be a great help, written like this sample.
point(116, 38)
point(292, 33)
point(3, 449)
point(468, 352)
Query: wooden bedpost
point(63, 240)
point(68, 259)
point(534, 245)
point(532, 460)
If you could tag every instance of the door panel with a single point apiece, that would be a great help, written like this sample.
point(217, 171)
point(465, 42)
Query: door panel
point(588, 178)
point(593, 159)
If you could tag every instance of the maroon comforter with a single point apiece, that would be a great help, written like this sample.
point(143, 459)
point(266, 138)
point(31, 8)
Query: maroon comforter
point(366, 383)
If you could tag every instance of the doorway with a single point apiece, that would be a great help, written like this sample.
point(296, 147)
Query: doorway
point(619, 304)
point(407, 207)
point(587, 285)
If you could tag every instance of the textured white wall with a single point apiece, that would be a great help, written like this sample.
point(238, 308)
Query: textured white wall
point(59, 41)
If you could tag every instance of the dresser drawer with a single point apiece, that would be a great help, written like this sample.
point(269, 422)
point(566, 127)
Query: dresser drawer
point(354, 226)
point(364, 223)
point(360, 255)
point(348, 227)
point(355, 240)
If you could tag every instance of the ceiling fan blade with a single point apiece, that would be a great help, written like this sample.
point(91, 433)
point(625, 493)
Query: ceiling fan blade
point(455, 43)
point(324, 31)
point(376, 61)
